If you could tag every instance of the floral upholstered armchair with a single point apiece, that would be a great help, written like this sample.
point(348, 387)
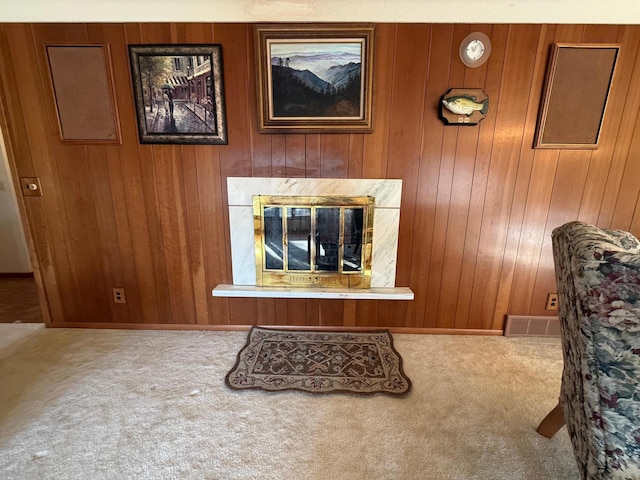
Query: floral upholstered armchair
point(598, 276)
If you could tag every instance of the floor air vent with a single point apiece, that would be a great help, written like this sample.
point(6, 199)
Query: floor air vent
point(529, 326)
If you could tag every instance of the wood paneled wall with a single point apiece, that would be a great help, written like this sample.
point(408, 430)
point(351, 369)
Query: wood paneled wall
point(478, 204)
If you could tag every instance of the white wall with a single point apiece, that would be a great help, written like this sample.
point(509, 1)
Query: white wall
point(14, 253)
point(436, 11)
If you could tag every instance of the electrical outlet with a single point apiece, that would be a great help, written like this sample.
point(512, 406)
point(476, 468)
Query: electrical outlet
point(118, 295)
point(552, 301)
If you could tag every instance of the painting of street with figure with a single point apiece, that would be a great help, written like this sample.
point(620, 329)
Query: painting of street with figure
point(178, 93)
point(316, 79)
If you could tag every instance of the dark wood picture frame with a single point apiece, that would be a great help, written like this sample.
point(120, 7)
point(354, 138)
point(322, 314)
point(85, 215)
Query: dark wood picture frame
point(179, 93)
point(574, 101)
point(314, 78)
point(84, 93)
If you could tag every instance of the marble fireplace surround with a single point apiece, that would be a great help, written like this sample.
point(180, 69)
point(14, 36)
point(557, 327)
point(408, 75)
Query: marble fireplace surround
point(386, 219)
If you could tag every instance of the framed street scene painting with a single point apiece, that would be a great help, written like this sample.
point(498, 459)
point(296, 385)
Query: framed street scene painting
point(314, 78)
point(179, 93)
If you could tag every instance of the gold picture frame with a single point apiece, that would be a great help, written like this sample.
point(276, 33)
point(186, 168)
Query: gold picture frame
point(314, 78)
point(574, 100)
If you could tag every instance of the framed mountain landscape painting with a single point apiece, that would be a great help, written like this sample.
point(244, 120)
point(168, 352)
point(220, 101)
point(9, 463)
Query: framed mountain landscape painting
point(314, 78)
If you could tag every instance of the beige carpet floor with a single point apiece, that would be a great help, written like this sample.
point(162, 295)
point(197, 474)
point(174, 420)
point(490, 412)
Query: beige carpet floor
point(108, 404)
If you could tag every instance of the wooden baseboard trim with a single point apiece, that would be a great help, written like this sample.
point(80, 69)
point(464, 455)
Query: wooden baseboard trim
point(148, 326)
point(446, 331)
point(155, 326)
point(16, 274)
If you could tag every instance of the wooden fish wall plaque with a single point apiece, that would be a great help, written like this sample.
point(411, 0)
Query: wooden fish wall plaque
point(464, 106)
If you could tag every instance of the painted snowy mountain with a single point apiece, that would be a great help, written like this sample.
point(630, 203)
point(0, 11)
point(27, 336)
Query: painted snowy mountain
point(340, 75)
point(319, 63)
point(309, 79)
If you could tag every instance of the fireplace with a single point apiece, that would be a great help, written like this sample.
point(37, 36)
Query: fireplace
point(357, 261)
point(322, 241)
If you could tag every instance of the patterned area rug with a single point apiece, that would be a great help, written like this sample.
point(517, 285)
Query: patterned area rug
point(319, 362)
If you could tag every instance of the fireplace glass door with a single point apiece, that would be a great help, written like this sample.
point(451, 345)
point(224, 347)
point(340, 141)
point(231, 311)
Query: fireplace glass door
point(313, 241)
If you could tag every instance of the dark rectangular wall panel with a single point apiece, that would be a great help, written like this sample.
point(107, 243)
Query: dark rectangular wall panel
point(81, 82)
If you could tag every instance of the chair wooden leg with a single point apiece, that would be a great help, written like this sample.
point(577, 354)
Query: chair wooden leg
point(553, 422)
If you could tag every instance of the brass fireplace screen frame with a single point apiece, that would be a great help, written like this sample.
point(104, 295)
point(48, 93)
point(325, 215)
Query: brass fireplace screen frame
point(360, 277)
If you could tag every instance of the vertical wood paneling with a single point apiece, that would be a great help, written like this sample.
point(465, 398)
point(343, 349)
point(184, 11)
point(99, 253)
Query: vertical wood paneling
point(626, 210)
point(616, 210)
point(455, 76)
point(568, 194)
point(457, 173)
point(19, 153)
point(213, 232)
point(235, 158)
point(111, 198)
point(334, 156)
point(107, 241)
point(195, 238)
point(149, 166)
point(564, 207)
point(312, 156)
point(478, 205)
point(615, 127)
point(487, 135)
point(172, 205)
point(130, 208)
point(294, 162)
point(41, 134)
point(420, 313)
point(279, 155)
point(89, 242)
point(467, 159)
point(356, 150)
point(531, 196)
point(205, 198)
point(533, 189)
point(511, 111)
point(376, 143)
point(173, 173)
point(375, 149)
point(405, 144)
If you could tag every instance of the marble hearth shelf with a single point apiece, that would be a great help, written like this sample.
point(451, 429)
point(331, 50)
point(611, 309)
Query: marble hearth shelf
point(394, 293)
